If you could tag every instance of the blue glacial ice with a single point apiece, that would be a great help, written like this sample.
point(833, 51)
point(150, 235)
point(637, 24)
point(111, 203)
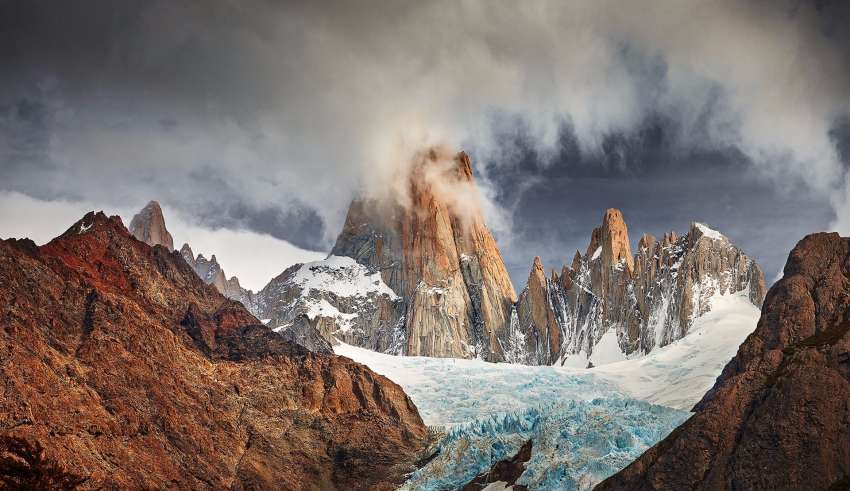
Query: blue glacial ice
point(575, 444)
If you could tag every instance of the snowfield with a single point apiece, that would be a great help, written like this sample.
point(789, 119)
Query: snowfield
point(679, 374)
point(584, 424)
point(450, 391)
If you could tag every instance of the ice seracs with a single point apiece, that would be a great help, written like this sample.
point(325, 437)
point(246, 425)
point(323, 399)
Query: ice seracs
point(585, 424)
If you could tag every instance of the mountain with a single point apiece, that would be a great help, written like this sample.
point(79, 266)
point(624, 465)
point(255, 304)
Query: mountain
point(149, 226)
point(778, 415)
point(210, 271)
point(438, 286)
point(341, 299)
point(127, 368)
point(424, 277)
point(609, 305)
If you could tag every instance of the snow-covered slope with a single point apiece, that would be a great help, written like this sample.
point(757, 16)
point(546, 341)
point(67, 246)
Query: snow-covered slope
point(677, 375)
point(342, 300)
point(450, 391)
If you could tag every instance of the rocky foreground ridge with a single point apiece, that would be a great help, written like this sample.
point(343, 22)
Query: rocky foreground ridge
point(778, 416)
point(149, 226)
point(642, 301)
point(129, 370)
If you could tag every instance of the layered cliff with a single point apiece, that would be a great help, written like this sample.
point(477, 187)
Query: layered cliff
point(778, 416)
point(636, 303)
point(127, 368)
point(428, 243)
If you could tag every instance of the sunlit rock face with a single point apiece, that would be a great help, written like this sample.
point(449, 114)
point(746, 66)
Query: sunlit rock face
point(635, 303)
point(427, 242)
point(443, 290)
point(112, 347)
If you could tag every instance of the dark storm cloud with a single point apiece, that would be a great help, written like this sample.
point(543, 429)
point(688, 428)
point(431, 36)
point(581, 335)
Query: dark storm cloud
point(658, 187)
point(270, 116)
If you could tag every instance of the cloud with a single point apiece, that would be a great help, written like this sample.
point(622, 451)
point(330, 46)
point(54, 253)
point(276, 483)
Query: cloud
point(272, 115)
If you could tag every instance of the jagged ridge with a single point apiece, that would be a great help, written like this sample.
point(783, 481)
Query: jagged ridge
point(647, 300)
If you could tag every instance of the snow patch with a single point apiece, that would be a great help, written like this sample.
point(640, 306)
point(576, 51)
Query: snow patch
point(596, 253)
point(342, 276)
point(709, 232)
point(322, 308)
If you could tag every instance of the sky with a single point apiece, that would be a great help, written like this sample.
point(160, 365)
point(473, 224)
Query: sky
point(262, 120)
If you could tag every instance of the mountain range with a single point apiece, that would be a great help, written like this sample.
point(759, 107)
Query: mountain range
point(132, 365)
point(421, 275)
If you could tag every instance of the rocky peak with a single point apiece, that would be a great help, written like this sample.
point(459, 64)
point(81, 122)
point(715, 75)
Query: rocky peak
point(615, 240)
point(432, 247)
point(537, 320)
point(93, 222)
point(188, 255)
point(646, 242)
point(649, 300)
point(537, 275)
point(577, 261)
point(149, 226)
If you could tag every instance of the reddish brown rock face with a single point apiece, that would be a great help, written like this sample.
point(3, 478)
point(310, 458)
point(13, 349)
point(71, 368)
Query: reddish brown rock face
point(127, 368)
point(779, 415)
point(538, 320)
point(434, 250)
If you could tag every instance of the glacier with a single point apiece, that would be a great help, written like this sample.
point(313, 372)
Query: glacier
point(584, 423)
point(575, 444)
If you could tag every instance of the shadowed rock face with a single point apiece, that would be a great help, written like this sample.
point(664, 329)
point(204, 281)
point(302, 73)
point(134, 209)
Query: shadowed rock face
point(149, 226)
point(127, 368)
point(210, 271)
point(779, 415)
